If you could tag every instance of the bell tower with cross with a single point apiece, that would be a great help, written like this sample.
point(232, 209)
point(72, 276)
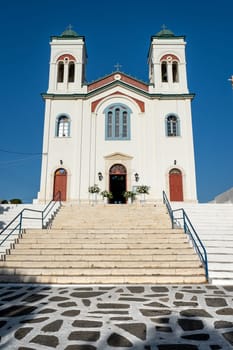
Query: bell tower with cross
point(67, 63)
point(167, 63)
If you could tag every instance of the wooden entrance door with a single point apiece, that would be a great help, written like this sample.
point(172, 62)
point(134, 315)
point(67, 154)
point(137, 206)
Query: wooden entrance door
point(60, 183)
point(176, 185)
point(117, 183)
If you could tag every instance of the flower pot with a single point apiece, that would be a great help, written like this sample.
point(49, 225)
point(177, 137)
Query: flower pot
point(94, 199)
point(143, 198)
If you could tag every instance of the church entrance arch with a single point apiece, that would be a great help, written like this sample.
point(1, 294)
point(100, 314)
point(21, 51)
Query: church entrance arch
point(117, 183)
point(176, 185)
point(60, 183)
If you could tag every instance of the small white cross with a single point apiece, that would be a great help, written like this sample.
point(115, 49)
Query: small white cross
point(118, 66)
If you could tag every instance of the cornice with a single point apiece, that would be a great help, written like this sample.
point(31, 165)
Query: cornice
point(146, 94)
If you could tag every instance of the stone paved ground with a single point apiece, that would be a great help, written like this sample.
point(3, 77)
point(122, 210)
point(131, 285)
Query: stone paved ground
point(116, 317)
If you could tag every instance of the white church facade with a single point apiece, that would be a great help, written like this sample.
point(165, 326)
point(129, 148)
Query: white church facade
point(118, 132)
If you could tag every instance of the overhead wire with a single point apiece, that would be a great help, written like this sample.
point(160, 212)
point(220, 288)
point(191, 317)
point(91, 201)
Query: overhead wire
point(13, 152)
point(10, 163)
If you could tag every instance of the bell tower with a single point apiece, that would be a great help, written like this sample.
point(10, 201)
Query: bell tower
point(67, 63)
point(167, 64)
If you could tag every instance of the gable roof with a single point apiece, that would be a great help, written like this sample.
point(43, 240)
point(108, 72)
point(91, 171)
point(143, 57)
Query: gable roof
point(117, 77)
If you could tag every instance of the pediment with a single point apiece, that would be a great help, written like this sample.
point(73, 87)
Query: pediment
point(118, 77)
point(118, 156)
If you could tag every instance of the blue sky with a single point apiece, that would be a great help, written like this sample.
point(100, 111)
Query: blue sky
point(115, 31)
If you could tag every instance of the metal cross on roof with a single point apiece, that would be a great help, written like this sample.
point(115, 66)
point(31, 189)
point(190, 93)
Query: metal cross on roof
point(164, 27)
point(118, 66)
point(231, 80)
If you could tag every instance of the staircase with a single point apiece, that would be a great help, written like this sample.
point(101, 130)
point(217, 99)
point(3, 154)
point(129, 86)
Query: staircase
point(214, 225)
point(11, 220)
point(9, 211)
point(111, 244)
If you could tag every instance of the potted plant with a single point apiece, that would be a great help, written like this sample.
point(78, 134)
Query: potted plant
point(129, 196)
point(143, 190)
point(106, 195)
point(94, 190)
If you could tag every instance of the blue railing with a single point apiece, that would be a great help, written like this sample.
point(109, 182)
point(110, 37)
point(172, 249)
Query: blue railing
point(169, 208)
point(189, 230)
point(16, 225)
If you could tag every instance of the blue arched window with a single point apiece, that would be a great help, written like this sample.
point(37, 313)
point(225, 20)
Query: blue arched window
point(63, 126)
point(117, 122)
point(172, 125)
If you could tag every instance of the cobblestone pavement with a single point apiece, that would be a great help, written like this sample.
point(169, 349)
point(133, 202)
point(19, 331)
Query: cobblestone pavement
point(143, 317)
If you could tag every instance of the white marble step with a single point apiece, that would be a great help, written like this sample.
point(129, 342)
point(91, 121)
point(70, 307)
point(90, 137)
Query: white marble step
point(214, 225)
point(220, 266)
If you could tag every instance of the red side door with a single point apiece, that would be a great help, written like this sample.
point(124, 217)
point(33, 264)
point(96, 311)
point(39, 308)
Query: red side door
point(176, 186)
point(60, 184)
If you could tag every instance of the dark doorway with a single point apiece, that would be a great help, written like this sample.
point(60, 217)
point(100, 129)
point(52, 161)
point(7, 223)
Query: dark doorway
point(117, 187)
point(117, 184)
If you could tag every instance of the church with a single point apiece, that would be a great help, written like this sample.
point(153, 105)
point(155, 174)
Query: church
point(118, 133)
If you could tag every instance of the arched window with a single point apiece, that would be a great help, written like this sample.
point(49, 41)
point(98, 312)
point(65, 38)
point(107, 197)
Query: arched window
point(164, 72)
point(71, 70)
point(117, 122)
point(172, 125)
point(60, 72)
point(63, 126)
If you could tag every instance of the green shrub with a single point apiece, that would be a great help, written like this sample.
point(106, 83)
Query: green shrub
point(15, 201)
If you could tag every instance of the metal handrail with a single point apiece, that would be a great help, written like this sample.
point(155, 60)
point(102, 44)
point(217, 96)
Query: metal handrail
point(50, 206)
point(196, 241)
point(169, 208)
point(18, 219)
point(190, 231)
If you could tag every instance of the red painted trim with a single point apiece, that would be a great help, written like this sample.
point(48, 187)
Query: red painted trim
point(141, 104)
point(174, 58)
point(66, 55)
point(111, 78)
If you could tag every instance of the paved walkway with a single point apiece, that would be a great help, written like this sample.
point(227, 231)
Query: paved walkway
point(116, 317)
